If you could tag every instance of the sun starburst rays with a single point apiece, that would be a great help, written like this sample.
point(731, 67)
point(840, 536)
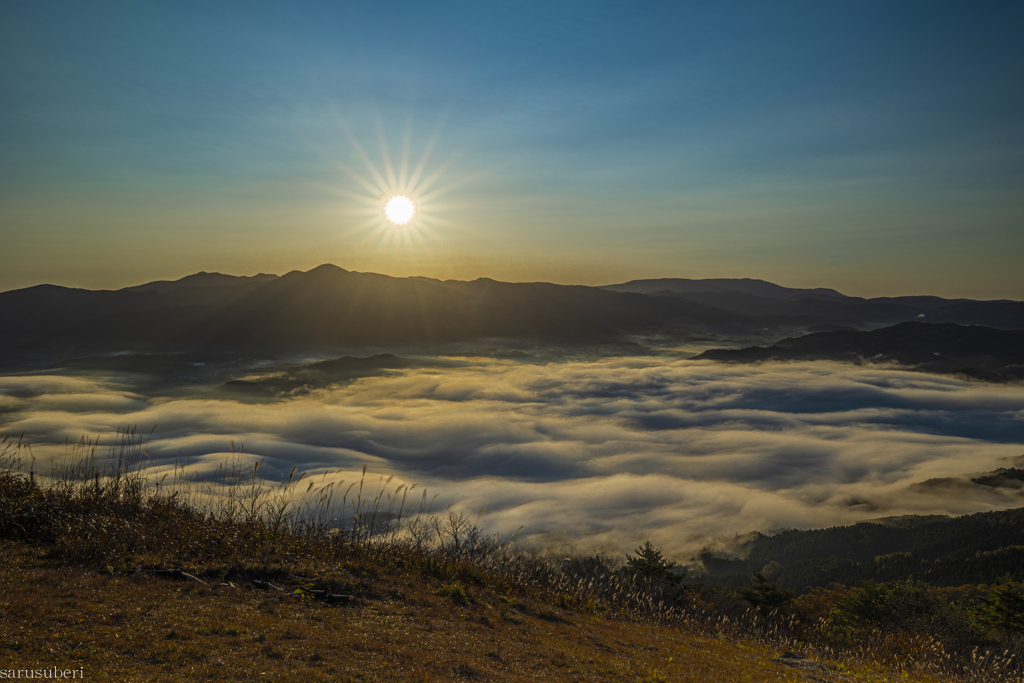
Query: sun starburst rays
point(395, 202)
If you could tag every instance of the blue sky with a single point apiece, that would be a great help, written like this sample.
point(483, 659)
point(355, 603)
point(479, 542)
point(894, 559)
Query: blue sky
point(877, 148)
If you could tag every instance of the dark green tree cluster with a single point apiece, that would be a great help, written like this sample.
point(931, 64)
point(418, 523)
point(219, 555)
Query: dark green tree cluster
point(1005, 606)
point(763, 594)
point(890, 602)
point(972, 549)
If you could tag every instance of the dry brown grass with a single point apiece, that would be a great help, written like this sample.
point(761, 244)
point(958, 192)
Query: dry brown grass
point(143, 628)
point(433, 598)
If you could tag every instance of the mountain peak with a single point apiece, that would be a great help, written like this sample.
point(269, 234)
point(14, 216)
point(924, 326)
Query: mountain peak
point(327, 268)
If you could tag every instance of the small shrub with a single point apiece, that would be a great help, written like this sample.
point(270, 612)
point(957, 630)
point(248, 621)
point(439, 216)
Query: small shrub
point(456, 592)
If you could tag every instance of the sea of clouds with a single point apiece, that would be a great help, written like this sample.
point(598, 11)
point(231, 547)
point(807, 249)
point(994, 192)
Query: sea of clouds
point(599, 454)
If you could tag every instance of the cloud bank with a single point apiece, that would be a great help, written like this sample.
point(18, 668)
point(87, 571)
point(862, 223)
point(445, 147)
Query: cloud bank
point(596, 454)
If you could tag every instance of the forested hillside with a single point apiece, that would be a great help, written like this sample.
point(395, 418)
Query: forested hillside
point(976, 549)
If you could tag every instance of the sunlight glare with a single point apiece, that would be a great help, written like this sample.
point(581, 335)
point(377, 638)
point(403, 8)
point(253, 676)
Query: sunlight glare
point(400, 210)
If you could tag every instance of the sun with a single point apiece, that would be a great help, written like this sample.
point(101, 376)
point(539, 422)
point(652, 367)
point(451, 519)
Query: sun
point(399, 204)
point(399, 209)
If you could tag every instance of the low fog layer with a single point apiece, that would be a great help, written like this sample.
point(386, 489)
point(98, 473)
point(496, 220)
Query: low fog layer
point(600, 454)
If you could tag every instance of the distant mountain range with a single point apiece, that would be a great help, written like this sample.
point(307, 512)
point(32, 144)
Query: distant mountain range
point(980, 352)
point(329, 308)
point(758, 288)
point(772, 304)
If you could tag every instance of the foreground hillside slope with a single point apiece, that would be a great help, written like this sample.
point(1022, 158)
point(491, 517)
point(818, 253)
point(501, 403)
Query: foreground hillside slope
point(141, 627)
point(129, 580)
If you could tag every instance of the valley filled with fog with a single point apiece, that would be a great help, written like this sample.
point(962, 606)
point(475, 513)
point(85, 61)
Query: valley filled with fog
point(585, 453)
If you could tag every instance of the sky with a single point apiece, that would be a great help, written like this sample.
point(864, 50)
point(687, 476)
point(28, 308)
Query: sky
point(873, 147)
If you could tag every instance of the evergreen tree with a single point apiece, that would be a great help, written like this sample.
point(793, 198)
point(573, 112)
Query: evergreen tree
point(1005, 606)
point(764, 595)
point(650, 562)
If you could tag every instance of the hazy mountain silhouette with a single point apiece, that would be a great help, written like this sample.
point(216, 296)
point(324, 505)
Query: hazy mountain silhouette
point(977, 351)
point(759, 288)
point(55, 316)
point(200, 279)
point(329, 307)
point(775, 305)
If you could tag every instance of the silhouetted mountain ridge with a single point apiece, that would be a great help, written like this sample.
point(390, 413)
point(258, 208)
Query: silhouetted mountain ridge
point(329, 307)
point(978, 351)
point(201, 279)
point(750, 286)
point(777, 305)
